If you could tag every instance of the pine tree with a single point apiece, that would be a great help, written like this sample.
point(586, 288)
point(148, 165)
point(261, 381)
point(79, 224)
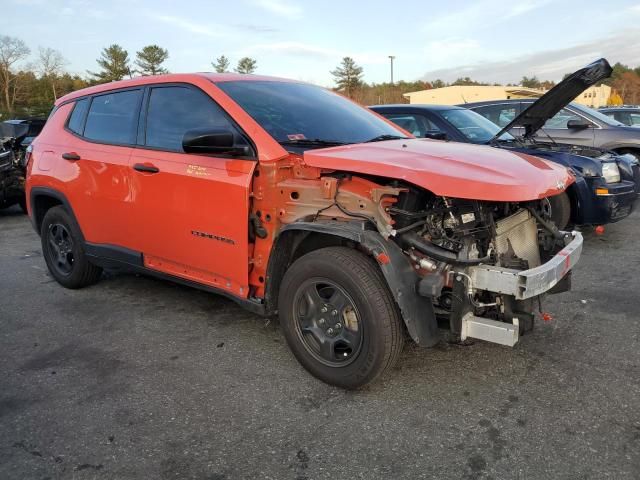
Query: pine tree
point(221, 65)
point(114, 61)
point(348, 76)
point(246, 65)
point(149, 60)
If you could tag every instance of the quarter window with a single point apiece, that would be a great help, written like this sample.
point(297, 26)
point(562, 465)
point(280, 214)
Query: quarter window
point(76, 120)
point(173, 111)
point(113, 118)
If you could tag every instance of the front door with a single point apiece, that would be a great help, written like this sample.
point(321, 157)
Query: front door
point(191, 210)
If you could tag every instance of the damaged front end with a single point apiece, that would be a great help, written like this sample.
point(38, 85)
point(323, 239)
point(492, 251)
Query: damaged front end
point(484, 265)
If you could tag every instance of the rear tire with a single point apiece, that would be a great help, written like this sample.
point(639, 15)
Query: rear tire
point(339, 317)
point(63, 250)
point(560, 210)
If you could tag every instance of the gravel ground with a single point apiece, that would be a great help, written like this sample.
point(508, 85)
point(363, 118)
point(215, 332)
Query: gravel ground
point(138, 378)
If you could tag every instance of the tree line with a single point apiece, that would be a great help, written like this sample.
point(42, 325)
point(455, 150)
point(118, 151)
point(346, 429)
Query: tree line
point(348, 77)
point(30, 88)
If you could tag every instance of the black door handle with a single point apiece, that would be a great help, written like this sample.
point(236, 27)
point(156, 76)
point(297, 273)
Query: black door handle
point(71, 156)
point(141, 167)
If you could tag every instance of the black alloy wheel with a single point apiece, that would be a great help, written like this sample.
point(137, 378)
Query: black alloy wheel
point(61, 248)
point(327, 322)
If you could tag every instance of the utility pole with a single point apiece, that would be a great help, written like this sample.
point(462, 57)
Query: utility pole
point(391, 57)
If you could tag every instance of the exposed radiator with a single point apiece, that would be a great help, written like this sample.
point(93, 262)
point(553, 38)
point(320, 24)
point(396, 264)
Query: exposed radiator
point(521, 232)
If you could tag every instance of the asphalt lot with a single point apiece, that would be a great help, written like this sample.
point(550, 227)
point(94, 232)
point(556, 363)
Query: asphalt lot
point(137, 378)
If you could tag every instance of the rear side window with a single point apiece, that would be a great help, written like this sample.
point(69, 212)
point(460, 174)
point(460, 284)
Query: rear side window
point(113, 118)
point(173, 111)
point(76, 120)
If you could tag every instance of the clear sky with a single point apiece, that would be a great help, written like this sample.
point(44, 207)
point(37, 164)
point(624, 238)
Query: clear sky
point(489, 40)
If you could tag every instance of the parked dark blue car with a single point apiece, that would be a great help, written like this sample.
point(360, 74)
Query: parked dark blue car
point(607, 184)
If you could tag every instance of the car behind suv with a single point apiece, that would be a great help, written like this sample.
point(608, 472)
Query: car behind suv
point(629, 116)
point(574, 124)
point(291, 199)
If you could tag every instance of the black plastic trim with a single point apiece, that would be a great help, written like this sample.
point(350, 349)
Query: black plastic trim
point(417, 311)
point(49, 192)
point(120, 258)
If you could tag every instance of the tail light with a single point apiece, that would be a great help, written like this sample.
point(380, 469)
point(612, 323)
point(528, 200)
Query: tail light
point(27, 155)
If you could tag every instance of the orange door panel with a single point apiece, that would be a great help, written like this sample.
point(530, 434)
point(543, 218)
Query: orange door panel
point(98, 186)
point(93, 176)
point(192, 216)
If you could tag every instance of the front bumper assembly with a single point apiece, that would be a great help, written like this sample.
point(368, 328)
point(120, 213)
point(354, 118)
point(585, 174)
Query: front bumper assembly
point(523, 284)
point(520, 284)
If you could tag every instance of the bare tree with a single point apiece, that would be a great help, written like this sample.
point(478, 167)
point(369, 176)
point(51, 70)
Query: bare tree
point(51, 65)
point(12, 50)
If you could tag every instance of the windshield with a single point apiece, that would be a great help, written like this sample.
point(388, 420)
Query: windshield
point(300, 113)
point(474, 126)
point(597, 115)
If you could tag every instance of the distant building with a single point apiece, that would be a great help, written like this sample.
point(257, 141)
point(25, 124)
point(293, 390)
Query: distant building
point(592, 97)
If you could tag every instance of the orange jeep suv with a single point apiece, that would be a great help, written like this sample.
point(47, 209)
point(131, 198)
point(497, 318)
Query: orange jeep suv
point(294, 201)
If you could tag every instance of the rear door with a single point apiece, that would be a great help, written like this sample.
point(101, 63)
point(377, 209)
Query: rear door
point(191, 210)
point(94, 151)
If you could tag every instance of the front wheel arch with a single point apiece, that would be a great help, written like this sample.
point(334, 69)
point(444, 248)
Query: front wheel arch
point(400, 277)
point(633, 151)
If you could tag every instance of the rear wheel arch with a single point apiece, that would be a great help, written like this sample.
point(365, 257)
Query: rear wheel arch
point(42, 200)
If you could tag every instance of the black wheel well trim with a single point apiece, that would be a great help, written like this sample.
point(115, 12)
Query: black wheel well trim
point(37, 216)
point(401, 278)
point(124, 259)
point(627, 148)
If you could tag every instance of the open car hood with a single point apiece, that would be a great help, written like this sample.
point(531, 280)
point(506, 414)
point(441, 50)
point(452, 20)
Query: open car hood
point(450, 169)
point(536, 115)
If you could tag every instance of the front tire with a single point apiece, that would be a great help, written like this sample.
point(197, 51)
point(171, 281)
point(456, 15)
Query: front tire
point(560, 210)
point(339, 317)
point(63, 250)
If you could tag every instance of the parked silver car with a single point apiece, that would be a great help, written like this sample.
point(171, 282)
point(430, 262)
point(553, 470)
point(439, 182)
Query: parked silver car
point(574, 124)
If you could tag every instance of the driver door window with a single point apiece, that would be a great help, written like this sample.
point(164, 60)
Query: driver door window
point(173, 111)
point(560, 119)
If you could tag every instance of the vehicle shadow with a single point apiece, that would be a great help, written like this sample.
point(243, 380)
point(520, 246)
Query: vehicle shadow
point(13, 211)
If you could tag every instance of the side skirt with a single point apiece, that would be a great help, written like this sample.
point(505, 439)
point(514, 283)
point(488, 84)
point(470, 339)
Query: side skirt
point(123, 259)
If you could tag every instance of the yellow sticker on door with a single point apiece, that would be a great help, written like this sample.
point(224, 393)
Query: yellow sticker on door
point(198, 171)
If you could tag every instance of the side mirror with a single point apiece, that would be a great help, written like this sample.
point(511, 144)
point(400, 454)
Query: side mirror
point(435, 135)
point(219, 141)
point(575, 124)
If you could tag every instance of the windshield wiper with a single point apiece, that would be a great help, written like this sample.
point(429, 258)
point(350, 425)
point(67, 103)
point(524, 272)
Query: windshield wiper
point(307, 142)
point(381, 138)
